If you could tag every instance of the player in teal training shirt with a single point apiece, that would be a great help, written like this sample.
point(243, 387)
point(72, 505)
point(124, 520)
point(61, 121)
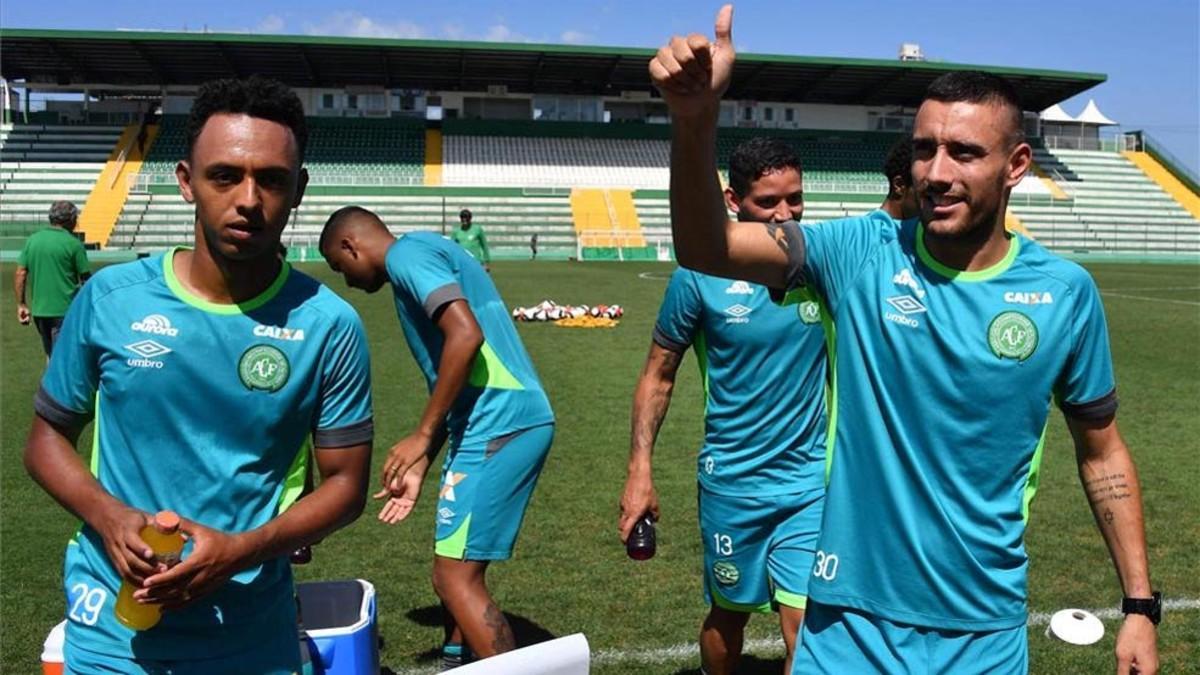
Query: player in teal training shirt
point(485, 397)
point(953, 340)
point(208, 371)
point(761, 474)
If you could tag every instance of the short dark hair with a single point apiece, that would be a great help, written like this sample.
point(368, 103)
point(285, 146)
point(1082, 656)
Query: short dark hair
point(337, 219)
point(465, 213)
point(899, 163)
point(976, 86)
point(255, 96)
point(753, 158)
point(63, 213)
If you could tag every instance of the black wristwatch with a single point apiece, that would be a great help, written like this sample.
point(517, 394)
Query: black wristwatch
point(1151, 607)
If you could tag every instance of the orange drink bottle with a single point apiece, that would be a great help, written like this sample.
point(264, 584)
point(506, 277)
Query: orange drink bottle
point(164, 538)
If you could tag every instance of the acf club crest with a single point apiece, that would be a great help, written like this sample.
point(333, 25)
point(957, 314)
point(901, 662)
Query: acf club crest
point(264, 368)
point(1012, 335)
point(726, 573)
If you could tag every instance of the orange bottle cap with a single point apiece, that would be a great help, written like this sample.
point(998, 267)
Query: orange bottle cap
point(166, 521)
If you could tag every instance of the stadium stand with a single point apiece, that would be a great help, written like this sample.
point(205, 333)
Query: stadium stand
point(1112, 207)
point(42, 163)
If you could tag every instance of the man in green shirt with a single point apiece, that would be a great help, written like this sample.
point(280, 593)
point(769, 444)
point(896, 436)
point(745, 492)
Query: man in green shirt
point(53, 264)
point(472, 238)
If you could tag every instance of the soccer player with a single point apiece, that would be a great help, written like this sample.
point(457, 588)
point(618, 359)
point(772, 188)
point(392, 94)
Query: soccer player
point(484, 395)
point(761, 474)
point(55, 260)
point(207, 370)
point(471, 236)
point(953, 340)
point(901, 200)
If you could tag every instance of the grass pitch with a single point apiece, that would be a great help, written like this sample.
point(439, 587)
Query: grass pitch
point(570, 572)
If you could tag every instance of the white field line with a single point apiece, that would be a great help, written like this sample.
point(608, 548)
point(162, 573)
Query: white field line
point(1110, 294)
point(774, 646)
point(1161, 288)
point(653, 276)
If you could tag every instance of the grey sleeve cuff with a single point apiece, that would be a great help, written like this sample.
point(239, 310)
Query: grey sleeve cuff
point(56, 413)
point(442, 295)
point(344, 437)
point(1103, 407)
point(795, 253)
point(662, 340)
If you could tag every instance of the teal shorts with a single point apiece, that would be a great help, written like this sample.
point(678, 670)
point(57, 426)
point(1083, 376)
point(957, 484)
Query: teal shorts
point(485, 491)
point(841, 640)
point(758, 551)
point(278, 654)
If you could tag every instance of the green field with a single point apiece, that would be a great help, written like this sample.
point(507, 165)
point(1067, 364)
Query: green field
point(570, 573)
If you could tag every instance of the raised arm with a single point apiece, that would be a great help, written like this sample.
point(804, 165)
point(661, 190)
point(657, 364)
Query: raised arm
point(692, 74)
point(651, 400)
point(1110, 480)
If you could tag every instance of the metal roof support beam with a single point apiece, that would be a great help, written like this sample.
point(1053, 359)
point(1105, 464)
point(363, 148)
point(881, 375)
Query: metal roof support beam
point(867, 93)
point(819, 80)
point(230, 62)
point(740, 86)
point(160, 73)
point(70, 59)
point(537, 70)
point(387, 70)
point(462, 70)
point(313, 75)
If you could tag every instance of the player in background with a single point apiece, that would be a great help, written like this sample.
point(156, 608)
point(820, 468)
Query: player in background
point(484, 395)
point(901, 200)
point(761, 469)
point(53, 263)
point(953, 340)
point(208, 369)
point(470, 235)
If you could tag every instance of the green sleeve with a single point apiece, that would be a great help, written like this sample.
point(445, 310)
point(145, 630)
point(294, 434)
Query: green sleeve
point(23, 256)
point(487, 256)
point(81, 261)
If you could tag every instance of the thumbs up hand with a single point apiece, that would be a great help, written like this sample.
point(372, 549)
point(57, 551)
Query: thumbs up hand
point(693, 73)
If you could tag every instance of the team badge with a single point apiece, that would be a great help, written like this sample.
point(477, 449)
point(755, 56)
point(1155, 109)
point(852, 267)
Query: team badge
point(726, 573)
point(264, 368)
point(810, 312)
point(1012, 335)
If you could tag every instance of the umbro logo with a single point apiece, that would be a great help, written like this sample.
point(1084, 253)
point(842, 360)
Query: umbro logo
point(906, 304)
point(148, 351)
point(739, 288)
point(156, 324)
point(737, 314)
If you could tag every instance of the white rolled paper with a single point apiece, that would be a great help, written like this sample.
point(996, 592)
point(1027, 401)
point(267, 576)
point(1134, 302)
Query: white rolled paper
point(568, 655)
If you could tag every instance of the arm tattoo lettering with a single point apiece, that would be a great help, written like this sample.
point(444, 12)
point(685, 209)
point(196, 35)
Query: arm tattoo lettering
point(1110, 488)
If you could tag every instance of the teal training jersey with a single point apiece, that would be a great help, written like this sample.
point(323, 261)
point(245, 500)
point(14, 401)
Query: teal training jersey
point(950, 376)
point(763, 434)
point(503, 393)
point(206, 410)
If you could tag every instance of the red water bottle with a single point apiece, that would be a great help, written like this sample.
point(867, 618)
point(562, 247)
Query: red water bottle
point(641, 544)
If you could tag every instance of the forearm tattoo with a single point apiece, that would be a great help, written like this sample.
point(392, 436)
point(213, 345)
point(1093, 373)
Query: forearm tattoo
point(1105, 492)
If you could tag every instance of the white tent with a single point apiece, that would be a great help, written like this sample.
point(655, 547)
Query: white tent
point(1092, 115)
point(1055, 113)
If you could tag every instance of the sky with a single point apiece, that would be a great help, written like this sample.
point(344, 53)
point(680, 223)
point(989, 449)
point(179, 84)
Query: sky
point(1149, 50)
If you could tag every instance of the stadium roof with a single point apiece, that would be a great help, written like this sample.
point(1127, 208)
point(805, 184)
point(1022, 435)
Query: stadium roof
point(113, 59)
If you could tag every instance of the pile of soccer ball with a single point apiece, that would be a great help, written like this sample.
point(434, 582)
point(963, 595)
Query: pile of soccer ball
point(548, 310)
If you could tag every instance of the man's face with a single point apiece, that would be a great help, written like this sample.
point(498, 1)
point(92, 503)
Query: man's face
point(775, 197)
point(244, 177)
point(964, 161)
point(346, 256)
point(465, 221)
